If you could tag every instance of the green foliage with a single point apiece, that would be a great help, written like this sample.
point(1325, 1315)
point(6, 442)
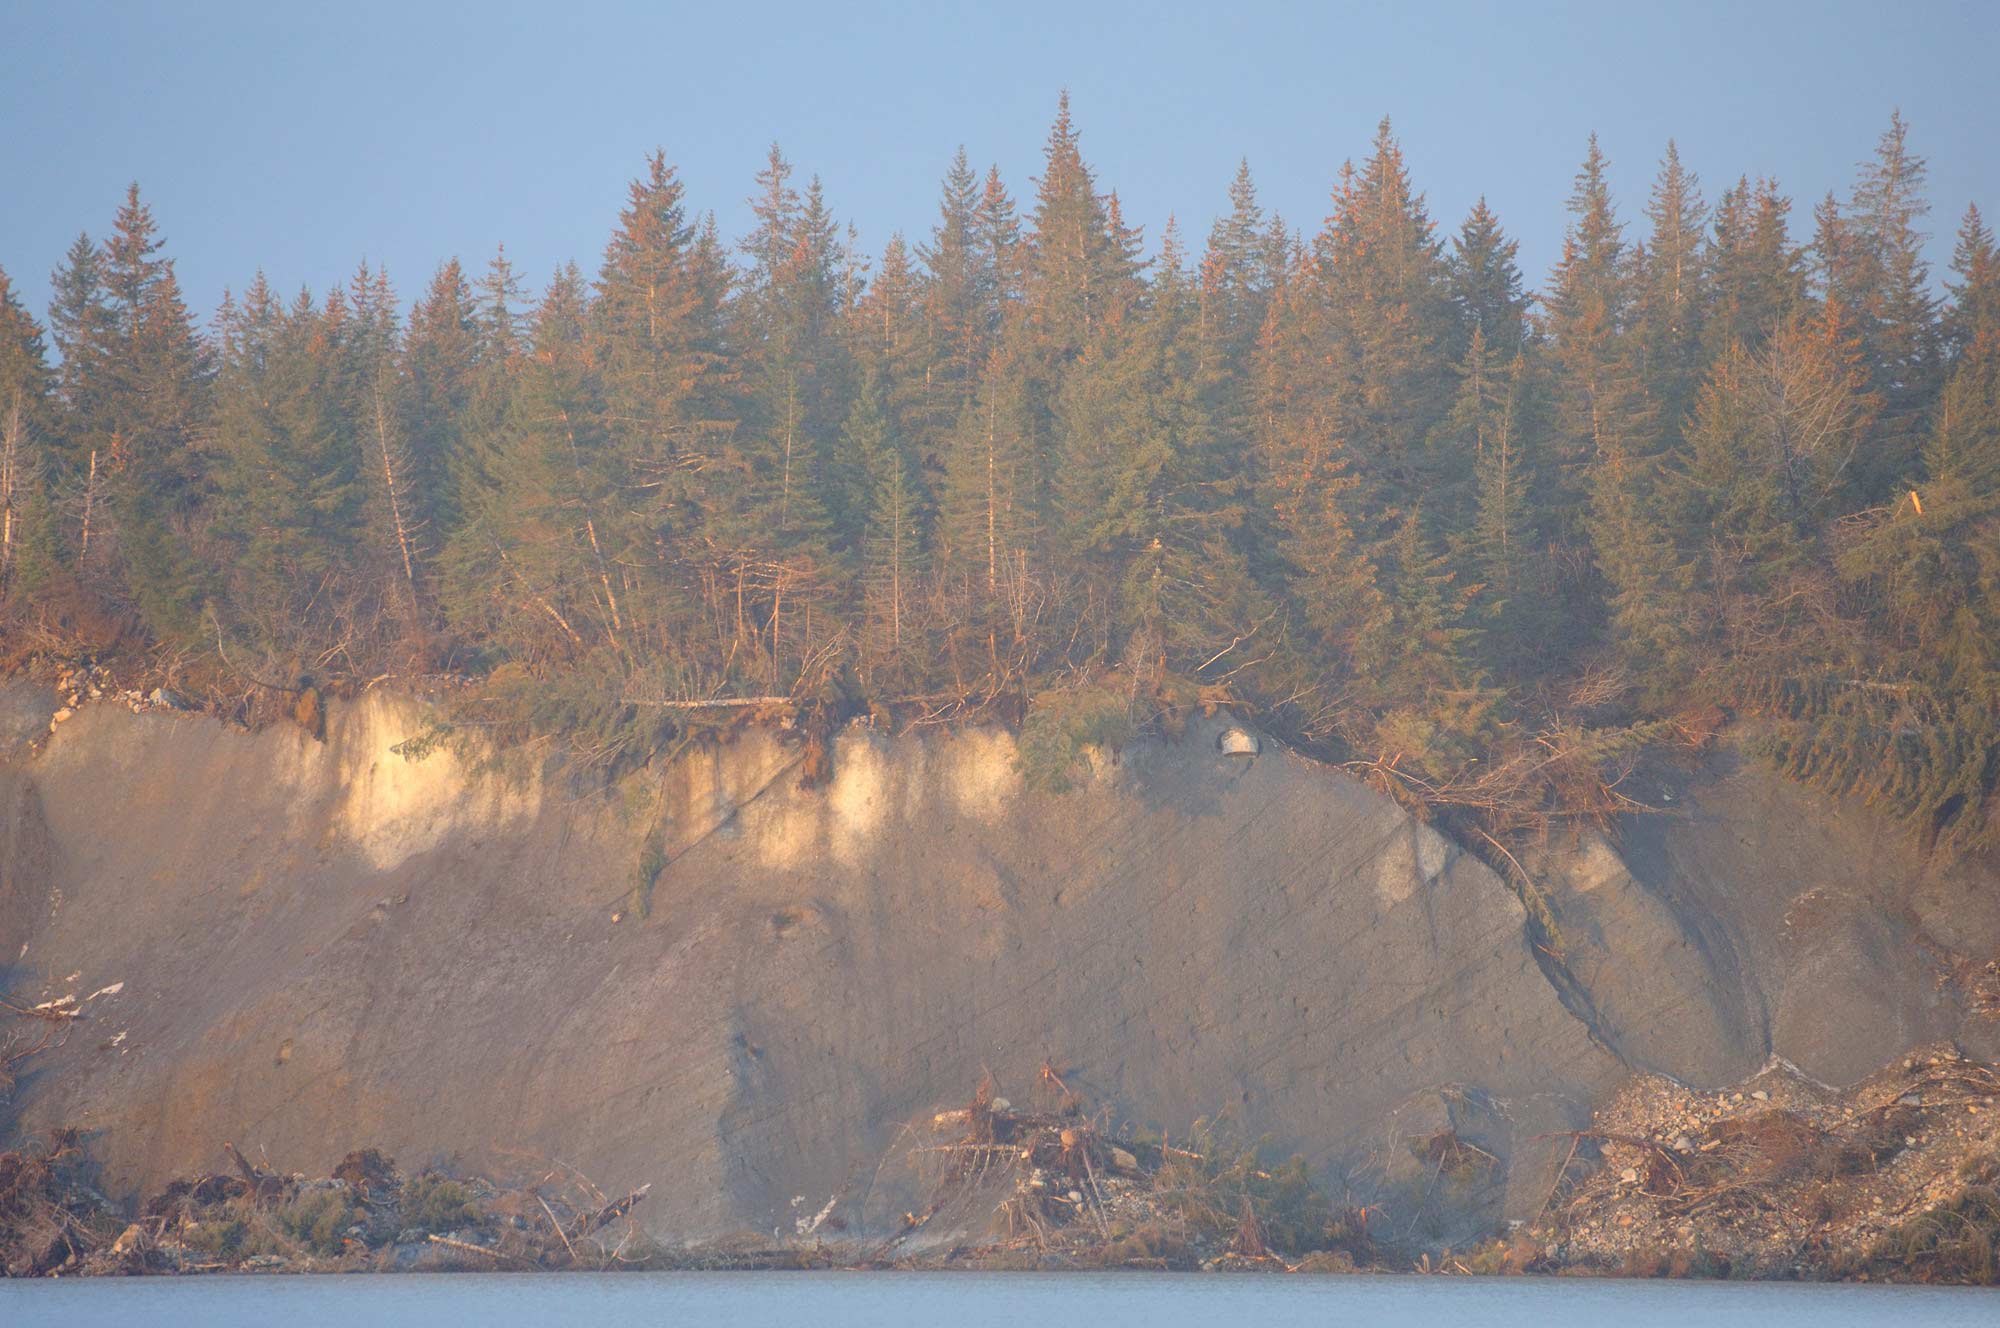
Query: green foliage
point(1213, 1178)
point(1065, 726)
point(223, 1238)
point(652, 861)
point(318, 1220)
point(1344, 478)
point(1928, 760)
point(435, 1203)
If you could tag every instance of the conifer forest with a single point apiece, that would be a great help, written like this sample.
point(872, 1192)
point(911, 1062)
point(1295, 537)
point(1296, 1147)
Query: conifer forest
point(1482, 535)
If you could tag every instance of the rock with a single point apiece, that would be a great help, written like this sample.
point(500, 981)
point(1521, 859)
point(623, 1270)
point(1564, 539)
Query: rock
point(1629, 1175)
point(1237, 742)
point(1760, 1096)
point(60, 715)
point(1122, 1160)
point(1683, 1144)
point(128, 1240)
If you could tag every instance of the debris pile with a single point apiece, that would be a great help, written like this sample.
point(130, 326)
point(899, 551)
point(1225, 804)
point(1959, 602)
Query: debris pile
point(1789, 1179)
point(1058, 1188)
point(50, 1217)
point(367, 1216)
point(1895, 1179)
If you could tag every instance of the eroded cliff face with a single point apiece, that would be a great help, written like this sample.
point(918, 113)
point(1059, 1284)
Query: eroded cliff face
point(320, 946)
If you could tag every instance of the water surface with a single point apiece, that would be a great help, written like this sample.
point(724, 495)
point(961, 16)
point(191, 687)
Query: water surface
point(968, 1300)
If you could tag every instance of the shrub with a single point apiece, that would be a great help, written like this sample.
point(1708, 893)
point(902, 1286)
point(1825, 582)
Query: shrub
point(433, 1202)
point(318, 1220)
point(1061, 727)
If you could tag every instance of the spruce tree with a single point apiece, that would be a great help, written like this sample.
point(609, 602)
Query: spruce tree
point(888, 336)
point(1972, 325)
point(1147, 497)
point(155, 366)
point(989, 522)
point(1501, 548)
point(27, 516)
point(524, 570)
point(1478, 417)
point(660, 384)
point(998, 243)
point(1485, 283)
point(292, 484)
point(143, 383)
point(1610, 433)
point(958, 298)
point(1076, 264)
point(1382, 276)
point(1961, 459)
point(798, 374)
point(1235, 284)
point(1671, 300)
point(402, 525)
point(1897, 307)
point(892, 514)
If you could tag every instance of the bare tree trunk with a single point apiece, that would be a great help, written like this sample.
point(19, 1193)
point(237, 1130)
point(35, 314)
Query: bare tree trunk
point(12, 460)
point(389, 453)
point(992, 504)
point(896, 584)
point(785, 492)
point(590, 528)
point(89, 505)
point(777, 616)
point(540, 600)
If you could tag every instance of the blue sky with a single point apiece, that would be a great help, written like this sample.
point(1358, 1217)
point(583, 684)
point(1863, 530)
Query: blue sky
point(301, 140)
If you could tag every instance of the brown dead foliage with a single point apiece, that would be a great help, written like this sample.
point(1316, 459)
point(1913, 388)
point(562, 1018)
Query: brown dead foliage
point(49, 1215)
point(1057, 1187)
point(368, 1215)
point(1789, 1178)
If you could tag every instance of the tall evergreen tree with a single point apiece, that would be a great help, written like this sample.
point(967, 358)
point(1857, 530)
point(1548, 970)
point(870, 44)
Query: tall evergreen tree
point(1962, 454)
point(1670, 302)
point(1485, 282)
point(291, 473)
point(1878, 275)
point(1148, 499)
point(1075, 261)
point(658, 377)
point(27, 516)
point(891, 511)
point(1755, 275)
point(1610, 439)
point(959, 299)
point(1382, 276)
point(998, 242)
point(155, 364)
point(989, 524)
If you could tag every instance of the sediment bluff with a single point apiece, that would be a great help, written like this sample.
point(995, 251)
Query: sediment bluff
point(307, 947)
